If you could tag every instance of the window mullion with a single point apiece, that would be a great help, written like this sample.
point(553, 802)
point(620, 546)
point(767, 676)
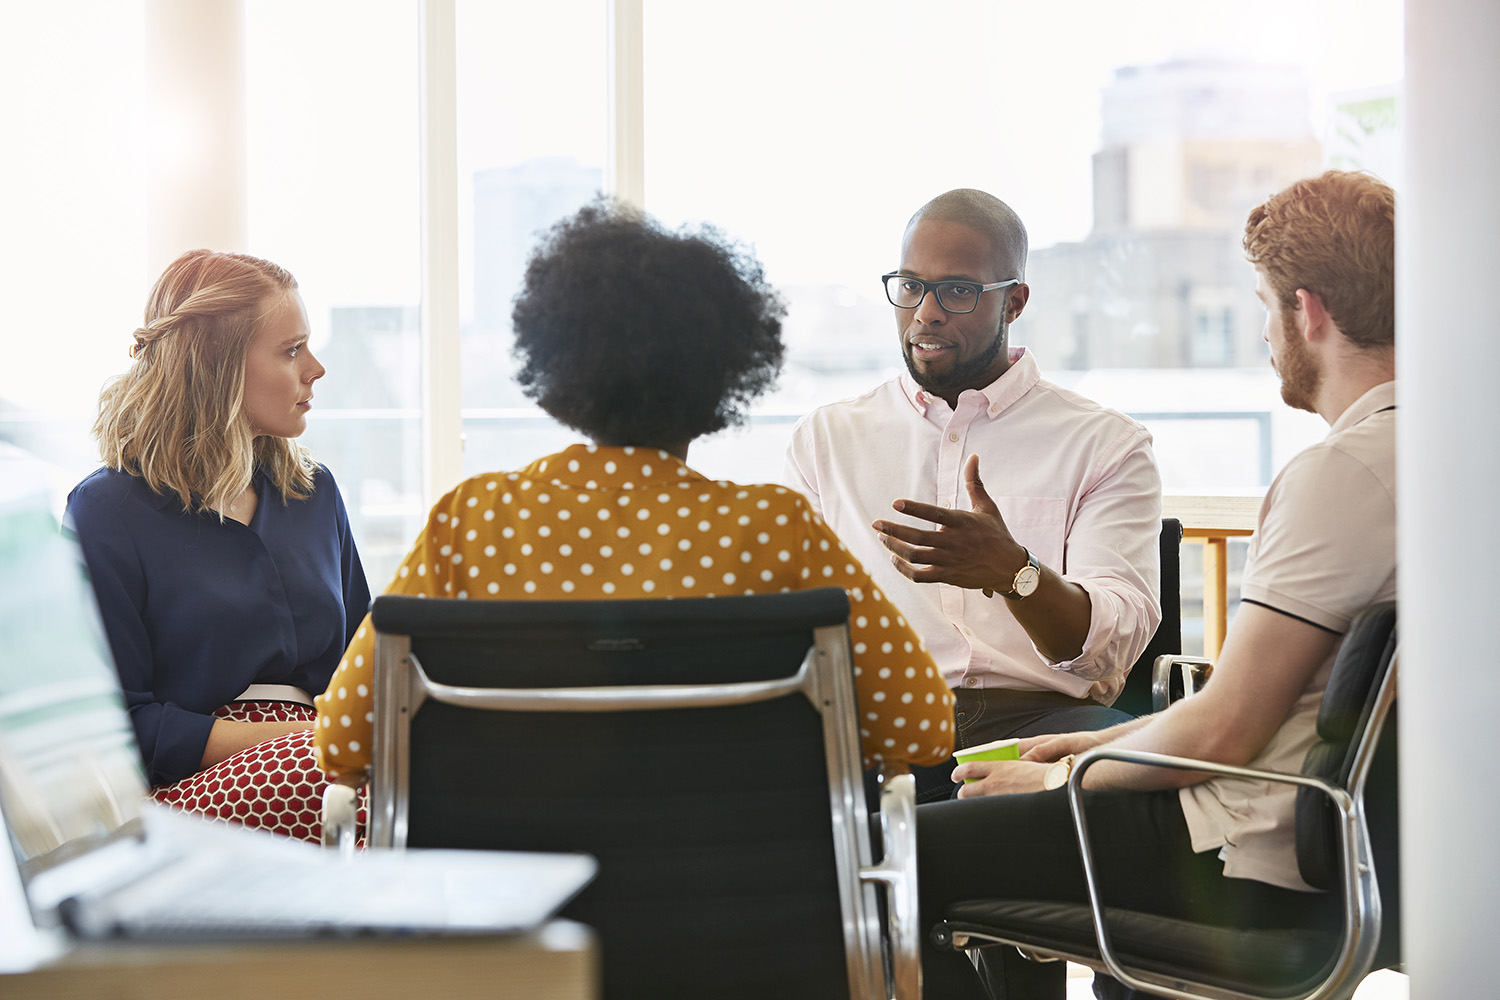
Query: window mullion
point(442, 390)
point(625, 167)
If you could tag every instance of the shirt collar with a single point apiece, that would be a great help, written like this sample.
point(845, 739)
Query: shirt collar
point(1381, 397)
point(1019, 379)
point(592, 466)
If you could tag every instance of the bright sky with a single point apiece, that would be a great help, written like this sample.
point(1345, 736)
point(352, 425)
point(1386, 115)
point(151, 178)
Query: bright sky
point(811, 130)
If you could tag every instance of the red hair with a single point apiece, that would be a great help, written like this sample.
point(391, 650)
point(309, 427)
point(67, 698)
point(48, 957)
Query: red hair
point(1335, 236)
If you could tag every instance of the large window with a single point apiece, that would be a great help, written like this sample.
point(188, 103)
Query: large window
point(1130, 137)
point(332, 196)
point(531, 135)
point(73, 211)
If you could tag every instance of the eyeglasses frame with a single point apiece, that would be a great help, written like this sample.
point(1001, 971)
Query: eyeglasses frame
point(932, 286)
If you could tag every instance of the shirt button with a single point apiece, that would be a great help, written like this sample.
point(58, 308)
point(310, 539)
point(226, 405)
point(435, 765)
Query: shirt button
point(970, 681)
point(953, 438)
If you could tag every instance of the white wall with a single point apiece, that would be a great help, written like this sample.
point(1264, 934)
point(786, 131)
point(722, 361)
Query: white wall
point(1448, 355)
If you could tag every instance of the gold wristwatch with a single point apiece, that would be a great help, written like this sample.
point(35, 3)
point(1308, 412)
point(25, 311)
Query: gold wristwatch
point(1026, 581)
point(1057, 774)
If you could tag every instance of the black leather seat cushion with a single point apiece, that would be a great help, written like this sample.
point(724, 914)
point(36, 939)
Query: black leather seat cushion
point(1277, 962)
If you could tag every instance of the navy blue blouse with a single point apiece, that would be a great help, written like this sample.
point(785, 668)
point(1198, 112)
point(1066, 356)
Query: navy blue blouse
point(197, 610)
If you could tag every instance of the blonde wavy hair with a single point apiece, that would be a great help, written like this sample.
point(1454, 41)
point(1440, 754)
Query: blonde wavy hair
point(176, 416)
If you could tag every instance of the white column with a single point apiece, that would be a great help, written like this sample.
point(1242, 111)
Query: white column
point(195, 130)
point(625, 165)
point(442, 388)
point(1448, 356)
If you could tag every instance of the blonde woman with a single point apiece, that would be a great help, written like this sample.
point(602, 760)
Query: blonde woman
point(220, 552)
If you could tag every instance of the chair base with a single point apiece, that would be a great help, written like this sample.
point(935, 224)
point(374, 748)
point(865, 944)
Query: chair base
point(1283, 962)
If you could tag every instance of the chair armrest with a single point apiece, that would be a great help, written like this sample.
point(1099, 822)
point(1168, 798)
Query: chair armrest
point(1191, 673)
point(1360, 893)
point(897, 873)
point(341, 812)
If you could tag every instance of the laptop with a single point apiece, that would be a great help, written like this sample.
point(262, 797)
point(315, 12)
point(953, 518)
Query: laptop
point(97, 859)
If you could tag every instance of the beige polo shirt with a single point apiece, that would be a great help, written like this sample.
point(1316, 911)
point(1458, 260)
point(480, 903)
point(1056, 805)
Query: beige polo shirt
point(1324, 549)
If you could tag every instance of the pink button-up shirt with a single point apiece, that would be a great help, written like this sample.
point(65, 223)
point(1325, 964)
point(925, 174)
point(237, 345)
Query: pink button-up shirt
point(1076, 483)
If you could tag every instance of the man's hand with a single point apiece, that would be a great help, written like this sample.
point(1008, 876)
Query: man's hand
point(998, 777)
point(968, 548)
point(1055, 746)
point(974, 549)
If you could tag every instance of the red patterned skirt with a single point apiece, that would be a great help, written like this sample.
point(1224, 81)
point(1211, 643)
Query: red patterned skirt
point(275, 785)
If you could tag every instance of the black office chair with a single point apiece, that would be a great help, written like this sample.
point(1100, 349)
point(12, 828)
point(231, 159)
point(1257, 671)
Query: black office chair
point(1137, 695)
point(706, 751)
point(1346, 835)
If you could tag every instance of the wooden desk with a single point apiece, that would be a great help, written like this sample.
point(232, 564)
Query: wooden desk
point(558, 962)
point(1211, 522)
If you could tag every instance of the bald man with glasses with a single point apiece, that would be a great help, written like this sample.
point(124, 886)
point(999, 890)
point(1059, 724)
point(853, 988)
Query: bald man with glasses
point(1015, 523)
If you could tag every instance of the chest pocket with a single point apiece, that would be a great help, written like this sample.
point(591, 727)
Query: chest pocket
point(1040, 524)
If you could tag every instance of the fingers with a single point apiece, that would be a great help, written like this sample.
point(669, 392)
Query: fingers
point(979, 497)
point(916, 567)
point(919, 563)
point(925, 511)
point(1044, 749)
point(1047, 749)
point(905, 533)
point(970, 771)
point(1030, 743)
point(997, 777)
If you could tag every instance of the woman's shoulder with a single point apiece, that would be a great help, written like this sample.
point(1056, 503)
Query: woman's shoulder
point(766, 499)
point(107, 486)
point(322, 477)
point(108, 501)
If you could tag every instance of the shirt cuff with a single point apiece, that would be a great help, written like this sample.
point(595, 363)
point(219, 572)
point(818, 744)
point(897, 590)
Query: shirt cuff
point(1111, 645)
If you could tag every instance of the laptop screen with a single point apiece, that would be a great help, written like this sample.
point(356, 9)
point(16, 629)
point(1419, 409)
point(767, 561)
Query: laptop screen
point(69, 772)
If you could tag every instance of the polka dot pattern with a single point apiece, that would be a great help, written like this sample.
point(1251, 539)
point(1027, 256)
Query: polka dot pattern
point(275, 785)
point(594, 523)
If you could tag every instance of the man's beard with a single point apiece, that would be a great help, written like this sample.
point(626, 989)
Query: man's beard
point(1300, 376)
point(963, 374)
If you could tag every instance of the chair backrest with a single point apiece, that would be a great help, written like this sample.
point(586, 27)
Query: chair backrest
point(1135, 698)
point(1350, 705)
point(705, 751)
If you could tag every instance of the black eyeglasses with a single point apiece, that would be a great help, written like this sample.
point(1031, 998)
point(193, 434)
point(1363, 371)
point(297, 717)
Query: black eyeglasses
point(906, 292)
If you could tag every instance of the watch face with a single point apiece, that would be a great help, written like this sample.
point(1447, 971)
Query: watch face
point(1057, 775)
point(1027, 580)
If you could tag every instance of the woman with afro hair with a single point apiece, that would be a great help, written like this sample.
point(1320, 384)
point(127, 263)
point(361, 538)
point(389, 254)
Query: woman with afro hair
point(643, 340)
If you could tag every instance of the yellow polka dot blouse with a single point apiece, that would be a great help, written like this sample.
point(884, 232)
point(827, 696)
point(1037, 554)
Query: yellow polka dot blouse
point(599, 523)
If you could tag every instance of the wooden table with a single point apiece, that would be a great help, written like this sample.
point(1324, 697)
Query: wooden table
point(1211, 522)
point(558, 962)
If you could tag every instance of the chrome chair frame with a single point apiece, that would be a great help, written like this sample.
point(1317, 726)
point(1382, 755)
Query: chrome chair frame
point(1192, 672)
point(1357, 884)
point(824, 678)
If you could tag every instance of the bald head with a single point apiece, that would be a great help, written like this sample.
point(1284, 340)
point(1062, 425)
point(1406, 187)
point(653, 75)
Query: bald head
point(986, 215)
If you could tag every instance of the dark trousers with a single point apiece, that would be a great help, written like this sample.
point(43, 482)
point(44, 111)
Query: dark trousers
point(984, 714)
point(1024, 847)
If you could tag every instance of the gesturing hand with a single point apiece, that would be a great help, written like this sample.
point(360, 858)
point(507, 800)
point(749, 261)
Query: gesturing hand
point(968, 548)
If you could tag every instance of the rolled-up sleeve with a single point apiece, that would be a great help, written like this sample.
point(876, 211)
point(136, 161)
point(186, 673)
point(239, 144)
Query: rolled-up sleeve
point(1113, 552)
